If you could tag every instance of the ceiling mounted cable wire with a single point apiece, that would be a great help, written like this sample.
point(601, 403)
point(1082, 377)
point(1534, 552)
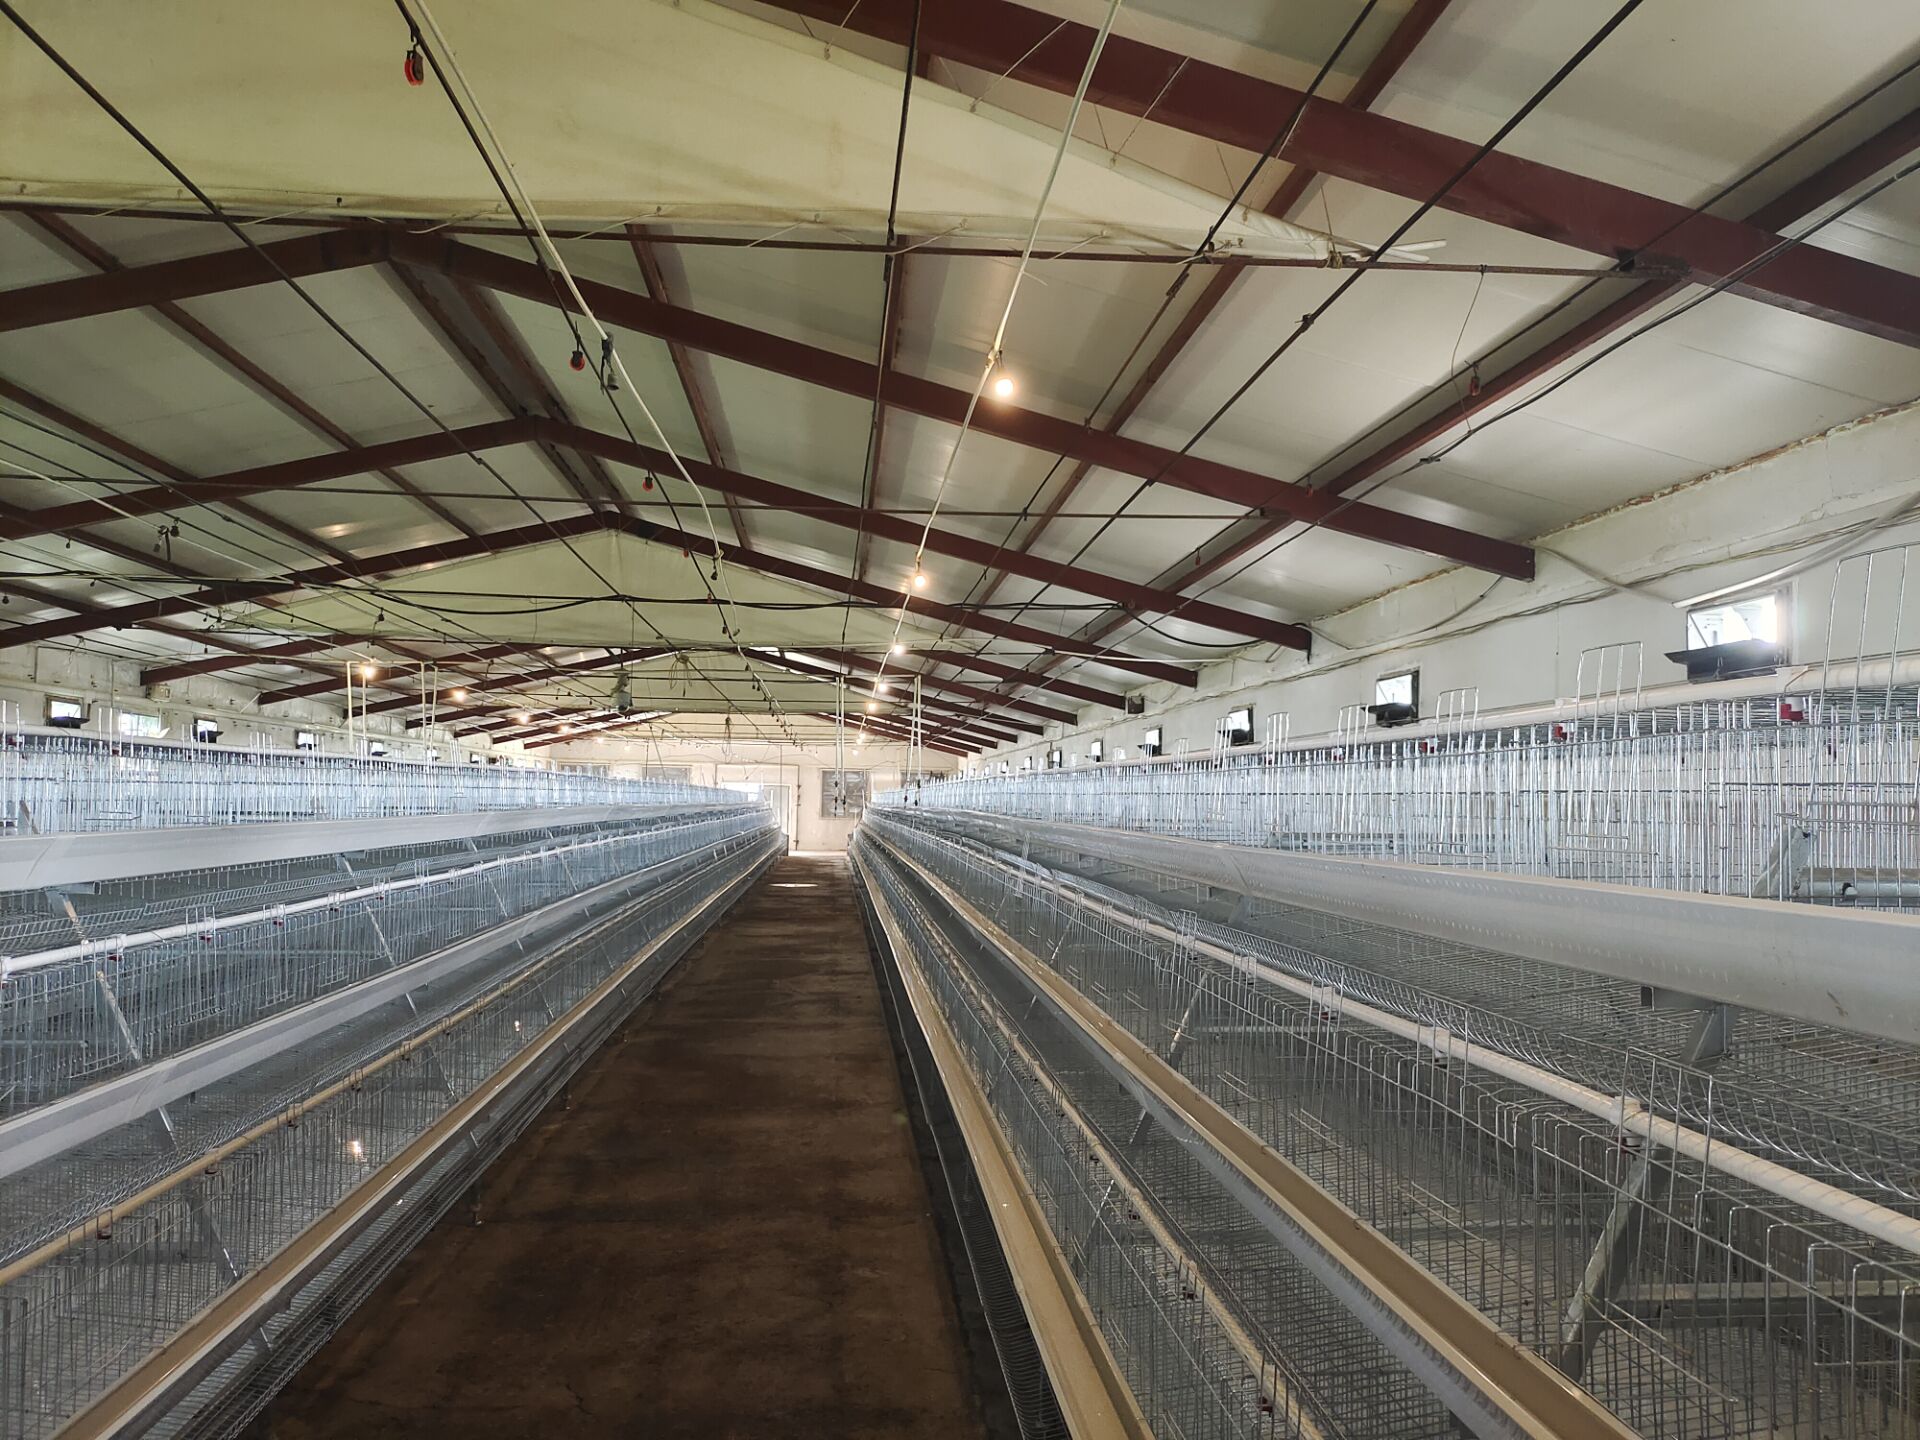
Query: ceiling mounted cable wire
point(992, 361)
point(239, 232)
point(446, 65)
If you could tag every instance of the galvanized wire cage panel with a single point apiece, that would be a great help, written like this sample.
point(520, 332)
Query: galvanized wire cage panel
point(53, 782)
point(85, 1299)
point(1686, 1296)
point(1814, 799)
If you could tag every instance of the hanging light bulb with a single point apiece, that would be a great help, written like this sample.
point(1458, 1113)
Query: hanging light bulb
point(367, 672)
point(522, 718)
point(896, 649)
point(871, 707)
point(1003, 386)
point(919, 579)
point(458, 695)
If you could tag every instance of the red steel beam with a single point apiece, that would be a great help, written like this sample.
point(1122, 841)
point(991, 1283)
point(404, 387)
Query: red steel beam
point(1032, 675)
point(996, 727)
point(903, 735)
point(484, 340)
point(946, 745)
point(294, 473)
point(1233, 108)
point(941, 542)
point(202, 337)
point(264, 479)
point(902, 680)
point(229, 592)
point(1887, 146)
point(813, 365)
point(706, 419)
point(1400, 45)
point(1032, 428)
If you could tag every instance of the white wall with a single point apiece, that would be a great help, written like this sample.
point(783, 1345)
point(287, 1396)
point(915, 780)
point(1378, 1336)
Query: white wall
point(797, 768)
point(29, 674)
point(1521, 643)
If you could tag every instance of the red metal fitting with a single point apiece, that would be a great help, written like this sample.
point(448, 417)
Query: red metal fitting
point(414, 67)
point(578, 360)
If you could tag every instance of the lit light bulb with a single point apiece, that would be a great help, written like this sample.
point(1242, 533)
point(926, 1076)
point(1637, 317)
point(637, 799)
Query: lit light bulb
point(459, 695)
point(897, 649)
point(566, 729)
point(1003, 387)
point(367, 672)
point(919, 579)
point(883, 687)
point(871, 707)
point(356, 1150)
point(522, 718)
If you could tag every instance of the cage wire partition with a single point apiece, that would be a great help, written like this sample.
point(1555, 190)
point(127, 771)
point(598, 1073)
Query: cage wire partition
point(1710, 1252)
point(73, 1014)
point(1810, 801)
point(56, 781)
point(200, 1065)
point(111, 1245)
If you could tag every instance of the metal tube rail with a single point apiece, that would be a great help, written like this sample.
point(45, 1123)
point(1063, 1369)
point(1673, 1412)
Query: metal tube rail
point(1094, 1399)
point(39, 1134)
point(163, 1376)
point(120, 944)
point(1625, 1112)
point(1852, 970)
point(67, 781)
point(1509, 1390)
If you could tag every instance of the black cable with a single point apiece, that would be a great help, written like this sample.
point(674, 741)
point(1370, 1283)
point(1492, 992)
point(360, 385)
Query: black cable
point(890, 267)
point(239, 233)
point(1280, 134)
point(1738, 183)
point(604, 367)
point(1308, 320)
point(1765, 258)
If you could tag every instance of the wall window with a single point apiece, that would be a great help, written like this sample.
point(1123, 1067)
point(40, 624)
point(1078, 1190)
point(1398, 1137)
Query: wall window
point(206, 730)
point(139, 726)
point(65, 714)
point(1396, 698)
point(1237, 728)
point(1055, 759)
point(1755, 618)
point(305, 740)
point(376, 748)
point(1150, 743)
point(1097, 751)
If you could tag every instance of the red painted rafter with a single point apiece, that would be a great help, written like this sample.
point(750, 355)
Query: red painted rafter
point(472, 327)
point(229, 592)
point(996, 727)
point(290, 474)
point(1233, 108)
point(238, 364)
point(1035, 429)
point(1887, 146)
point(707, 420)
point(1891, 144)
point(1400, 45)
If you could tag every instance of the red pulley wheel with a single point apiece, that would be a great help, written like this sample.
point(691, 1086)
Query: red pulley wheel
point(414, 67)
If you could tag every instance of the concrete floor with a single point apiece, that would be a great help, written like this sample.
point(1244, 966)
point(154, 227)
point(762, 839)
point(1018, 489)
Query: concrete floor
point(726, 1235)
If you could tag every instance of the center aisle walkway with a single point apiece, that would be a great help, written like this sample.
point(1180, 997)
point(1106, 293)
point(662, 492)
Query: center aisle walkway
point(727, 1234)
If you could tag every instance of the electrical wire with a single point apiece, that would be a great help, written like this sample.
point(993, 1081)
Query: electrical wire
point(1006, 314)
point(506, 176)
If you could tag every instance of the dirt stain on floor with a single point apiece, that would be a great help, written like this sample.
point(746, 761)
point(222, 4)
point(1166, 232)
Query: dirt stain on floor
point(727, 1234)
